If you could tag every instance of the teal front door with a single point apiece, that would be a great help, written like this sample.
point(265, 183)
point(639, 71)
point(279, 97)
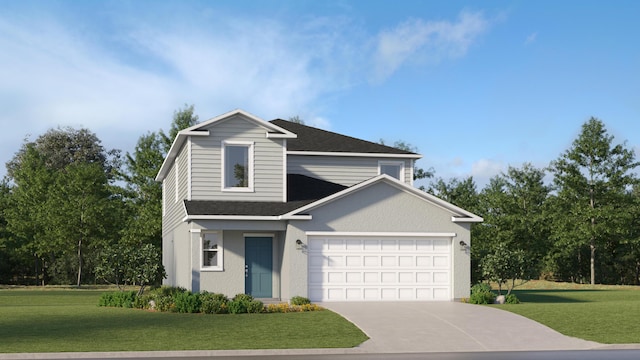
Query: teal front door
point(258, 268)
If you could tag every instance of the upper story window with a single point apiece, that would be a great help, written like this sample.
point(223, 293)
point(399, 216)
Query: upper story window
point(394, 169)
point(237, 166)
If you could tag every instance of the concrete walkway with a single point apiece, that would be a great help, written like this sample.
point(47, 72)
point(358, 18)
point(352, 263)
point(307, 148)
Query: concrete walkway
point(449, 327)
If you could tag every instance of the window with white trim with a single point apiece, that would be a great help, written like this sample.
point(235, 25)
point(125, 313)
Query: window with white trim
point(212, 253)
point(394, 169)
point(237, 166)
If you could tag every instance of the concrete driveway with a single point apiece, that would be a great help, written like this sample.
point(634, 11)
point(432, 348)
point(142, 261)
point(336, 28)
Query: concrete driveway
point(449, 327)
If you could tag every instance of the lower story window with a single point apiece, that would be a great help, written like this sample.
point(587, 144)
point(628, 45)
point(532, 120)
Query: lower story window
point(212, 251)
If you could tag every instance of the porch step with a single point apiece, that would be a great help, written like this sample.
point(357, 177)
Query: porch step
point(268, 301)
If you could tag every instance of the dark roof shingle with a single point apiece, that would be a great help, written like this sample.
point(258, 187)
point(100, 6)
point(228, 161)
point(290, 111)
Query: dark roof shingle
point(302, 190)
point(314, 139)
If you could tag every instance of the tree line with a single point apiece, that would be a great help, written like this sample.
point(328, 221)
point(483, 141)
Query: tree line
point(582, 226)
point(73, 212)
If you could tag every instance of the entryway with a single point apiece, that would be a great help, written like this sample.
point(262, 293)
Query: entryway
point(258, 266)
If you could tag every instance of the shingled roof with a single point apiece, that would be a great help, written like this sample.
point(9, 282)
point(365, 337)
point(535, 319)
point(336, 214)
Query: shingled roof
point(314, 139)
point(302, 190)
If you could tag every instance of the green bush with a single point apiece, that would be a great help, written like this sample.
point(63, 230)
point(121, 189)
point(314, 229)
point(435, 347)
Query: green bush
point(187, 302)
point(299, 300)
point(481, 294)
point(255, 306)
point(512, 299)
point(240, 303)
point(123, 299)
point(213, 303)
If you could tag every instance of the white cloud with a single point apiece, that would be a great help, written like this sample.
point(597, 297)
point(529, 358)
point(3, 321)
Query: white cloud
point(484, 169)
point(531, 38)
point(430, 40)
point(130, 79)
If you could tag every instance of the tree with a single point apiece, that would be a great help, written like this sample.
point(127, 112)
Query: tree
point(182, 119)
point(592, 179)
point(129, 264)
point(296, 119)
point(461, 193)
point(513, 208)
point(418, 173)
point(504, 266)
point(42, 177)
point(80, 212)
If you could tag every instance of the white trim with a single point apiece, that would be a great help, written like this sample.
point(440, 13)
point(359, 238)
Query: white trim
point(176, 178)
point(384, 234)
point(195, 230)
point(260, 122)
point(398, 163)
point(164, 198)
point(290, 135)
point(189, 169)
point(284, 170)
point(476, 219)
point(246, 217)
point(354, 154)
point(250, 180)
point(271, 235)
point(194, 132)
point(219, 251)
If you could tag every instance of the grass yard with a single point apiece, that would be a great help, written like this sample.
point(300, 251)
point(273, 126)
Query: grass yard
point(605, 314)
point(70, 320)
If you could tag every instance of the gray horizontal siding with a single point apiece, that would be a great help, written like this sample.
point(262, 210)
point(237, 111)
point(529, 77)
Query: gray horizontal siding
point(344, 170)
point(206, 162)
point(174, 211)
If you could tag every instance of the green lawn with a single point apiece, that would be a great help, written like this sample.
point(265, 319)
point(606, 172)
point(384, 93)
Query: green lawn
point(610, 315)
point(70, 320)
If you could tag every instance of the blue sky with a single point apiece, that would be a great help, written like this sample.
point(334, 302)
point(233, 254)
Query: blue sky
point(476, 86)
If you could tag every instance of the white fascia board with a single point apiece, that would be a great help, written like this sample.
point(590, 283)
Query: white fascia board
point(354, 154)
point(289, 135)
point(246, 217)
point(173, 151)
point(385, 234)
point(474, 219)
point(255, 119)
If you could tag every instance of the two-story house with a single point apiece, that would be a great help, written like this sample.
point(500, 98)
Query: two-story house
point(277, 209)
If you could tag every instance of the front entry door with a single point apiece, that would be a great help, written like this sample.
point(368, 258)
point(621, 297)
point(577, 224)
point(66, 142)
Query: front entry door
point(258, 268)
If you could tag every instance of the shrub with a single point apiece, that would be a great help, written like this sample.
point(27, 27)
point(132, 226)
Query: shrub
point(299, 300)
point(481, 294)
point(213, 303)
point(255, 306)
point(239, 304)
point(187, 302)
point(123, 299)
point(512, 299)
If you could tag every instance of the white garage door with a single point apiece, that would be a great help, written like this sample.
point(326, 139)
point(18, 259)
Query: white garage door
point(379, 268)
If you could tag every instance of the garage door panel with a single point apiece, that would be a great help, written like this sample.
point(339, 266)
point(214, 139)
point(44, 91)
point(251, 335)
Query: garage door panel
point(379, 268)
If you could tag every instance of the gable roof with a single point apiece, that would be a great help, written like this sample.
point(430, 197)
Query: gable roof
point(316, 140)
point(271, 131)
point(457, 214)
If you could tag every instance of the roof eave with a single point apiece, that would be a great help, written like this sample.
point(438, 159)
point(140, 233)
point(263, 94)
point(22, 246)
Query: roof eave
point(356, 154)
point(246, 217)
